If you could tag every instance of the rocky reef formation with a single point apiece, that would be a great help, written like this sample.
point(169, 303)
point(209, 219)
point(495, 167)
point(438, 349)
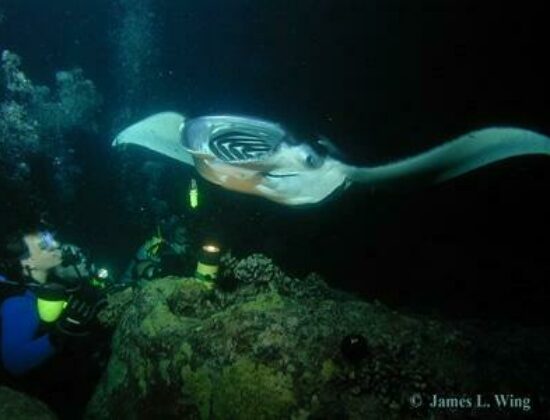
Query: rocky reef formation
point(15, 405)
point(264, 345)
point(35, 122)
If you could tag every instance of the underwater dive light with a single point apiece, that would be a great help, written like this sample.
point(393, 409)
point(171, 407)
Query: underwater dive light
point(193, 194)
point(100, 279)
point(208, 263)
point(51, 300)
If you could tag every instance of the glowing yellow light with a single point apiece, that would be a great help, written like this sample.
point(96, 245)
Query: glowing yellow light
point(211, 249)
point(193, 194)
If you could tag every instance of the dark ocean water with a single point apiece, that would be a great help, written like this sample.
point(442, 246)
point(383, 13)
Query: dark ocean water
point(383, 80)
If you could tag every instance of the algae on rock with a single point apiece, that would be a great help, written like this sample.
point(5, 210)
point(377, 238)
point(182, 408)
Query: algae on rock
point(272, 349)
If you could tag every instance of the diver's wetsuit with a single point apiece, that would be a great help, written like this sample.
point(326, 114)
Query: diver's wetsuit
point(21, 348)
point(64, 382)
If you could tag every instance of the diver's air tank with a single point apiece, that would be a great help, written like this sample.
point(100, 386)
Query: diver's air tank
point(50, 302)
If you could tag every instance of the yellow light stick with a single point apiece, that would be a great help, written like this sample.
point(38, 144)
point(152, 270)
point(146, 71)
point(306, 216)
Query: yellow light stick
point(193, 194)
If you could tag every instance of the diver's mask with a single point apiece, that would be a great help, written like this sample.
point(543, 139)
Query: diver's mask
point(46, 241)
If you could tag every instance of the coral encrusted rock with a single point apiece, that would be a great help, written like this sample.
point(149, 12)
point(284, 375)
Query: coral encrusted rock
point(294, 349)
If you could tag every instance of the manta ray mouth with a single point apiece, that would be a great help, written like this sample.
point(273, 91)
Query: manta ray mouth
point(287, 175)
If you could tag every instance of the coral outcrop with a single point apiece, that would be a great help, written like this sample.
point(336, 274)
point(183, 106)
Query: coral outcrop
point(72, 104)
point(35, 122)
point(276, 347)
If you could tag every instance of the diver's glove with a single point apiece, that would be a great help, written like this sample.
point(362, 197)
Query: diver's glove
point(79, 314)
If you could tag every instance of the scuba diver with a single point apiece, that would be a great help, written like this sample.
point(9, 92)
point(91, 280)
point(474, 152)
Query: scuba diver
point(167, 252)
point(51, 309)
point(51, 347)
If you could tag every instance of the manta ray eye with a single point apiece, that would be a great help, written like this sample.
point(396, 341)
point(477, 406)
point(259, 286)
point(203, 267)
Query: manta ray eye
point(313, 161)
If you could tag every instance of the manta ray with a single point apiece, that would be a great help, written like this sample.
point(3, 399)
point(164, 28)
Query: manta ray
point(255, 156)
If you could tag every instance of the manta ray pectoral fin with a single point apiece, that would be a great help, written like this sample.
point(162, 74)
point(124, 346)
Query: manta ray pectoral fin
point(454, 158)
point(160, 133)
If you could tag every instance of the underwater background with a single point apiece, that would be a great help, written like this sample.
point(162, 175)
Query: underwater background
point(382, 79)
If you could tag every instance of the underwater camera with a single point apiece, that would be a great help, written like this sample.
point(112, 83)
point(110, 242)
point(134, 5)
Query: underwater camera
point(96, 276)
point(71, 256)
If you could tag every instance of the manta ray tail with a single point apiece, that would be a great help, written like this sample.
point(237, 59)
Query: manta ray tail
point(160, 133)
point(459, 156)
